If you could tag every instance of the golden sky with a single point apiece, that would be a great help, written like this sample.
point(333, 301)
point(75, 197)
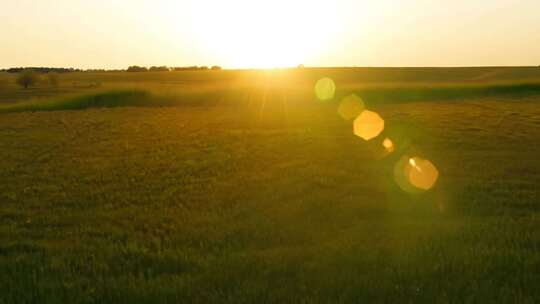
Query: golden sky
point(269, 33)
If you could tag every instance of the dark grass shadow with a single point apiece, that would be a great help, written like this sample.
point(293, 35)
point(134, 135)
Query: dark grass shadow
point(426, 93)
point(114, 98)
point(207, 97)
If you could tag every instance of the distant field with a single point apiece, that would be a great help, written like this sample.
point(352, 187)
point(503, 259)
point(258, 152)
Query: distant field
point(241, 187)
point(370, 79)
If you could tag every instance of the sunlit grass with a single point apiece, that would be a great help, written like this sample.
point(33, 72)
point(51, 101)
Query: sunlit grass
point(124, 200)
point(76, 91)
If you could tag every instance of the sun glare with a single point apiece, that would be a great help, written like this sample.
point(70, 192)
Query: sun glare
point(264, 34)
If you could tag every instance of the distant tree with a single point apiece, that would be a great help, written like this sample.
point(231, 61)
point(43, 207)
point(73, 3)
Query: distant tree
point(27, 79)
point(216, 68)
point(136, 68)
point(43, 70)
point(159, 69)
point(203, 67)
point(53, 79)
point(15, 70)
point(300, 66)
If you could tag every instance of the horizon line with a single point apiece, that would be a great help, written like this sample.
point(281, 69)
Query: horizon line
point(5, 69)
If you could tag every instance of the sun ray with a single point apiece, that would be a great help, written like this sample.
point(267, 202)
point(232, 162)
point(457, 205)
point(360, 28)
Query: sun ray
point(263, 102)
point(285, 101)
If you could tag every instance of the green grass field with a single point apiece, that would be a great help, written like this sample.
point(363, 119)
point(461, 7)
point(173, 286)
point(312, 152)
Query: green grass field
point(241, 187)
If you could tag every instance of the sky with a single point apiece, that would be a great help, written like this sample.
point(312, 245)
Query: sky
point(269, 33)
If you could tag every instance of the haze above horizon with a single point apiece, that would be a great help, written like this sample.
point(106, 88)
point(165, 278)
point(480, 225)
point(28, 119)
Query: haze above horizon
point(265, 34)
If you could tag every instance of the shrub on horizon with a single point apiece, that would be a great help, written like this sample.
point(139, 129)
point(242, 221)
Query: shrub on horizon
point(27, 79)
point(159, 69)
point(136, 68)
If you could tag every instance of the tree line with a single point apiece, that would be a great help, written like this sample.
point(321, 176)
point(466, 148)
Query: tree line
point(136, 68)
point(31, 76)
point(42, 70)
point(133, 68)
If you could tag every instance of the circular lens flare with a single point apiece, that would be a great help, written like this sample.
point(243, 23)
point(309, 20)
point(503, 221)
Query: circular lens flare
point(423, 174)
point(388, 145)
point(350, 107)
point(415, 175)
point(325, 89)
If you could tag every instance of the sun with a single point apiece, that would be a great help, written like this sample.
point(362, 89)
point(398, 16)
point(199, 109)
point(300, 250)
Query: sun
point(263, 34)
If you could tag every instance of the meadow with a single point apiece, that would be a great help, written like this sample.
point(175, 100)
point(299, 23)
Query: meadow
point(242, 187)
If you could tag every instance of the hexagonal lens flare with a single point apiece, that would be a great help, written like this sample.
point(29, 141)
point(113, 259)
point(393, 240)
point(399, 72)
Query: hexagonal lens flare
point(368, 125)
point(412, 174)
